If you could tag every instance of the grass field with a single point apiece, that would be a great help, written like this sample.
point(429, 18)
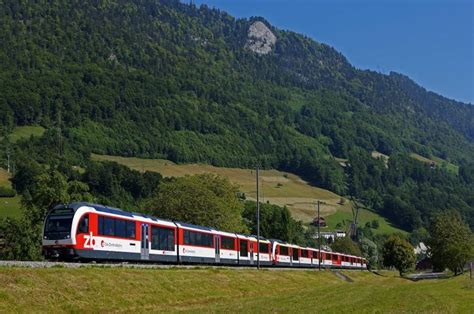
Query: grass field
point(225, 290)
point(438, 161)
point(4, 178)
point(21, 132)
point(280, 188)
point(9, 206)
point(345, 215)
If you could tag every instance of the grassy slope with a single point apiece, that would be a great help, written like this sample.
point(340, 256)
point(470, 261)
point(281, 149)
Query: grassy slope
point(344, 215)
point(25, 132)
point(9, 206)
point(438, 161)
point(224, 290)
point(276, 187)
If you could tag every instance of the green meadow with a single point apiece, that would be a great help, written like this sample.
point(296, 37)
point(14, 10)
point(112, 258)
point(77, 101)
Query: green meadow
point(95, 289)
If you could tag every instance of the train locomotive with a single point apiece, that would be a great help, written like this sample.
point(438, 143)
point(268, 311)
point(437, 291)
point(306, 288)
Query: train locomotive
point(91, 232)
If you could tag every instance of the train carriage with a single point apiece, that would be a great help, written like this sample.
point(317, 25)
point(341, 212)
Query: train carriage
point(196, 244)
point(281, 253)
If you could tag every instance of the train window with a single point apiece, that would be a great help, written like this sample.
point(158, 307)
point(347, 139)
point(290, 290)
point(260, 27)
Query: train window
point(120, 228)
point(198, 238)
point(56, 224)
point(328, 256)
point(243, 248)
point(109, 226)
point(295, 254)
point(263, 248)
point(83, 225)
point(304, 253)
point(283, 250)
point(130, 229)
point(162, 238)
point(227, 243)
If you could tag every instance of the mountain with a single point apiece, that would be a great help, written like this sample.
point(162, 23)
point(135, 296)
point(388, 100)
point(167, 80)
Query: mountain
point(192, 84)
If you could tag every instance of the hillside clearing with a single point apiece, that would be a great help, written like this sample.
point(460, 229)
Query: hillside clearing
point(438, 162)
point(9, 206)
point(4, 178)
point(277, 187)
point(224, 290)
point(22, 132)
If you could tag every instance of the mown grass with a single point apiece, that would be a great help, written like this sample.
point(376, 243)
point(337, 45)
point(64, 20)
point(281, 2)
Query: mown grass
point(438, 162)
point(344, 217)
point(224, 290)
point(22, 132)
point(4, 178)
point(10, 207)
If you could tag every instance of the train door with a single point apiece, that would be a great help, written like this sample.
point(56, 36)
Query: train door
point(218, 248)
point(296, 255)
point(145, 249)
point(290, 253)
point(243, 250)
point(251, 252)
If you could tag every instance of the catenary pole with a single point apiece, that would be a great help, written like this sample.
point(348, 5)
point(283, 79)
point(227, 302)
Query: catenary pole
point(319, 239)
point(258, 221)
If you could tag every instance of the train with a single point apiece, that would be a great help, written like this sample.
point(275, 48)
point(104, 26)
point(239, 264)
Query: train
point(83, 231)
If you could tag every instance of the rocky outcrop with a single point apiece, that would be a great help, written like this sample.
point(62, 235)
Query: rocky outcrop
point(260, 38)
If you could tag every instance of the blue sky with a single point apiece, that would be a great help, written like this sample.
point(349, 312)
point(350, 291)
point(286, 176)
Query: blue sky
point(430, 41)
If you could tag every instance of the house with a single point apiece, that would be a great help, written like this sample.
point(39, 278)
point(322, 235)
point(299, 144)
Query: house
point(331, 235)
point(321, 222)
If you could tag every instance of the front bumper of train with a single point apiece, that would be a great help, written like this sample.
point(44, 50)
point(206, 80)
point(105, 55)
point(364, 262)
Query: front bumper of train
point(59, 253)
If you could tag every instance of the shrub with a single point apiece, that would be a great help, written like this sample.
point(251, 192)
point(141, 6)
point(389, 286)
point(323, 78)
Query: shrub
point(7, 192)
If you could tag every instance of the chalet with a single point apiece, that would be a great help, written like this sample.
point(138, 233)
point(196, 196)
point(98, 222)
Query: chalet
point(321, 222)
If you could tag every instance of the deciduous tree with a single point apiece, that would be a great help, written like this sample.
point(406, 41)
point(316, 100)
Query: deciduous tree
point(204, 199)
point(398, 253)
point(451, 242)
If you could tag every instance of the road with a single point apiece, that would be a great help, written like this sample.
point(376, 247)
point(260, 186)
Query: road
point(420, 276)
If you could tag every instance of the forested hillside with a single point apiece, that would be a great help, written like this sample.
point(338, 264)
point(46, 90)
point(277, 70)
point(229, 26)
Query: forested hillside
point(169, 80)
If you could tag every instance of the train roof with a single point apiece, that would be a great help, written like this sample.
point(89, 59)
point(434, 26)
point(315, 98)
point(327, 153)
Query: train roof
point(186, 225)
point(109, 210)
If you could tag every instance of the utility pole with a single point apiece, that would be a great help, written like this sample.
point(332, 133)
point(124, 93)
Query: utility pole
point(8, 160)
point(258, 222)
point(319, 238)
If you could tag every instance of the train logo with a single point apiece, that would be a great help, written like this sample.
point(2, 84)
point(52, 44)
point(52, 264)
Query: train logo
point(89, 241)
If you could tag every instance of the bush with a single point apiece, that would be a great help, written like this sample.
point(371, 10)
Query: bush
point(7, 192)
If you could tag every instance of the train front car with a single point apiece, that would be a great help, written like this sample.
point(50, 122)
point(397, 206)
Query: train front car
point(95, 232)
point(58, 239)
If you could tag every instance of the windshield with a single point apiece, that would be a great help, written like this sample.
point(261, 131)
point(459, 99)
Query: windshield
point(58, 224)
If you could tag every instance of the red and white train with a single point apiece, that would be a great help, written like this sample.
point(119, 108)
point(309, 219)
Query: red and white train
point(83, 231)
